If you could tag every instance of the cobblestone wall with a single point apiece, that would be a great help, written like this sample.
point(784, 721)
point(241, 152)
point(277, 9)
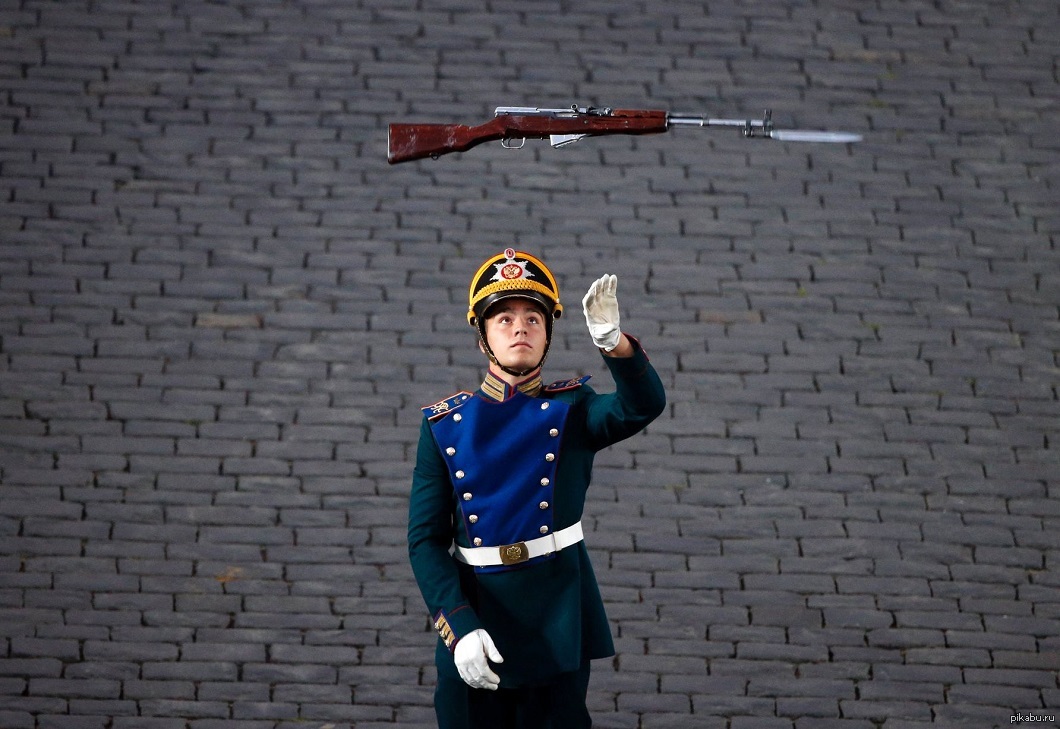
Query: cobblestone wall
point(221, 310)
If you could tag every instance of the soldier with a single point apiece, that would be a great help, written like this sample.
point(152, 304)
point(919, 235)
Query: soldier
point(500, 481)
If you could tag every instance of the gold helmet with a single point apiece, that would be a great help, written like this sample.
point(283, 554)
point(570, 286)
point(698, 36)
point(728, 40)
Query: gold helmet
point(507, 275)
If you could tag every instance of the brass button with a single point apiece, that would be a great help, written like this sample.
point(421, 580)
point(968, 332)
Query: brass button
point(467, 497)
point(543, 530)
point(473, 518)
point(544, 406)
point(457, 418)
point(543, 505)
point(550, 457)
point(450, 451)
point(554, 432)
point(459, 474)
point(478, 541)
point(545, 482)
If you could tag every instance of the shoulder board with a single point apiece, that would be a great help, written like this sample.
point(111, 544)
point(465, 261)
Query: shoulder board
point(446, 406)
point(561, 385)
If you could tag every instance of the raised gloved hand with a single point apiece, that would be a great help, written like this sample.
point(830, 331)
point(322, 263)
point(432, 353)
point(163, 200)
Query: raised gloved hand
point(470, 656)
point(600, 306)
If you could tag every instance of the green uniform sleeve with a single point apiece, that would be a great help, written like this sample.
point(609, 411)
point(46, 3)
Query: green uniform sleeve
point(638, 399)
point(430, 535)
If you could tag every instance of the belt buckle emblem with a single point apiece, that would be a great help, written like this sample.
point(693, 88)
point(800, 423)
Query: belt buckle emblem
point(514, 553)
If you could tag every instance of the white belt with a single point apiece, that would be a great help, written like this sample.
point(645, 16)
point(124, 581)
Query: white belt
point(520, 551)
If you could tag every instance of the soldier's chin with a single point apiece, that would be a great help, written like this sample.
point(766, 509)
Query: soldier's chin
point(520, 363)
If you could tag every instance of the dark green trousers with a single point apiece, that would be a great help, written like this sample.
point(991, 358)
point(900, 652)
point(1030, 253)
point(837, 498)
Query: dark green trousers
point(559, 704)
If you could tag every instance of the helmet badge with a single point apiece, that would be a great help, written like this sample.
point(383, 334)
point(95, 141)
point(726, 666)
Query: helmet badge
point(510, 269)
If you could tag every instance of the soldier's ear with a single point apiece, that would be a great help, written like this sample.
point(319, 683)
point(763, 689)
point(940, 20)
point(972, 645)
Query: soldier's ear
point(480, 347)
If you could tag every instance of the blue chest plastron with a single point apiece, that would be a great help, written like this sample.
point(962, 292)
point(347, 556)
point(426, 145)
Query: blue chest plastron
point(502, 459)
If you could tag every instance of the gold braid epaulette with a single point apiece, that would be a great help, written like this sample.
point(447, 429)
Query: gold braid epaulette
point(446, 406)
point(561, 385)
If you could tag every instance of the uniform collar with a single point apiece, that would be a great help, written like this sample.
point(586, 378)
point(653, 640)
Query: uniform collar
point(497, 389)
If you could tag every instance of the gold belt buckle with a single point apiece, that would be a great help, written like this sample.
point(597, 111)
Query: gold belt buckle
point(514, 553)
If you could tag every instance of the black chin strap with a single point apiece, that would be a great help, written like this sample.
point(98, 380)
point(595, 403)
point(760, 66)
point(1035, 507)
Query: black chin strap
point(509, 370)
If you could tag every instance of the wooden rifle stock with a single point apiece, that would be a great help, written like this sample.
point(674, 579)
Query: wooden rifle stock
point(409, 142)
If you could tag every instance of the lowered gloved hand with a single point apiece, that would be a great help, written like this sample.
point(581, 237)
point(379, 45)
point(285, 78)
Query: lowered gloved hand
point(470, 656)
point(600, 306)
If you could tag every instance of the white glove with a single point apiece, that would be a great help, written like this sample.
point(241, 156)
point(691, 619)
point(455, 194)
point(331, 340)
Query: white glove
point(470, 655)
point(600, 306)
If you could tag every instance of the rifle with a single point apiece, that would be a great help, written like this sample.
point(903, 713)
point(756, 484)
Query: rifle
point(409, 142)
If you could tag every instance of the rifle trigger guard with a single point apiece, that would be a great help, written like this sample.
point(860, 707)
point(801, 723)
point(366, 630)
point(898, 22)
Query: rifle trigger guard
point(507, 142)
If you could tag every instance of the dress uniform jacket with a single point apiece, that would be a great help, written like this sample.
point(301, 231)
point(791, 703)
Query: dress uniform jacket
point(504, 465)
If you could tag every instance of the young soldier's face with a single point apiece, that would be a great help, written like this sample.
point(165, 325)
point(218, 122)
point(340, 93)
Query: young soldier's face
point(515, 331)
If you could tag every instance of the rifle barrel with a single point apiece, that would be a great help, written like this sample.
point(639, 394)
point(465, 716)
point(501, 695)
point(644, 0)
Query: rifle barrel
point(764, 128)
point(690, 120)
